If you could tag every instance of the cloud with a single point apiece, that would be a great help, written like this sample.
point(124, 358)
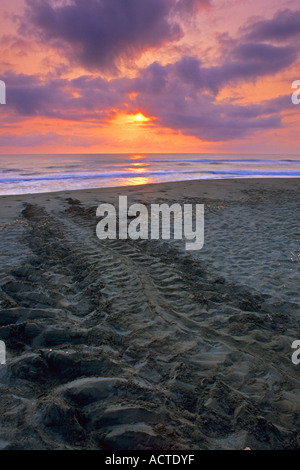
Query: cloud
point(28, 95)
point(46, 138)
point(244, 62)
point(284, 25)
point(153, 79)
point(182, 96)
point(180, 107)
point(100, 34)
point(192, 7)
point(249, 61)
point(95, 97)
point(78, 99)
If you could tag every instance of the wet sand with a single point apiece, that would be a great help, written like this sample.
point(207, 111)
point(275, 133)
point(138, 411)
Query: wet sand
point(121, 344)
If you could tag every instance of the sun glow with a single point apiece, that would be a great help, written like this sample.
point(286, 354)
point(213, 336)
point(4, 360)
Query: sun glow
point(140, 118)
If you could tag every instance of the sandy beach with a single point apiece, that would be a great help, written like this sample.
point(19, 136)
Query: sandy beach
point(122, 344)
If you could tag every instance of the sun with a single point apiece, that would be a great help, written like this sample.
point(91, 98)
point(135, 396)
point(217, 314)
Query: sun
point(139, 117)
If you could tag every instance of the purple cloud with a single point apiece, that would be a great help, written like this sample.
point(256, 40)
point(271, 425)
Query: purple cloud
point(180, 95)
point(98, 34)
point(81, 98)
point(248, 61)
point(152, 80)
point(284, 25)
point(180, 107)
point(28, 95)
point(192, 6)
point(174, 99)
point(245, 61)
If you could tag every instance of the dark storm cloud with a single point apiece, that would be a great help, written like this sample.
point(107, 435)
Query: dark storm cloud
point(284, 25)
point(98, 33)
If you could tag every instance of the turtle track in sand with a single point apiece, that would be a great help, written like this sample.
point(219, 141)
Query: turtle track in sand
point(133, 344)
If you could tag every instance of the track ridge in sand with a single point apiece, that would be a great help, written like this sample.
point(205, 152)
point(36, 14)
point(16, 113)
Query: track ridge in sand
point(122, 344)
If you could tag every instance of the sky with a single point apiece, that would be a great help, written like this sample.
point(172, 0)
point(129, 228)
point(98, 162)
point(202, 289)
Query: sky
point(123, 76)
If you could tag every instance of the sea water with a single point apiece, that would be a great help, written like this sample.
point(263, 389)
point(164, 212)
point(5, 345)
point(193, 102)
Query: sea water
point(25, 174)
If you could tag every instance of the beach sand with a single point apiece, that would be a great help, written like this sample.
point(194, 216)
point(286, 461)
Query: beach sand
point(121, 344)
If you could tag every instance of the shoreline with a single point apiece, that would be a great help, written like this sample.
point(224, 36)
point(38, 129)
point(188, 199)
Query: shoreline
point(228, 188)
point(122, 344)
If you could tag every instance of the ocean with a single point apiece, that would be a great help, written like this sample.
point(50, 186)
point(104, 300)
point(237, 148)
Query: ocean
point(27, 174)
